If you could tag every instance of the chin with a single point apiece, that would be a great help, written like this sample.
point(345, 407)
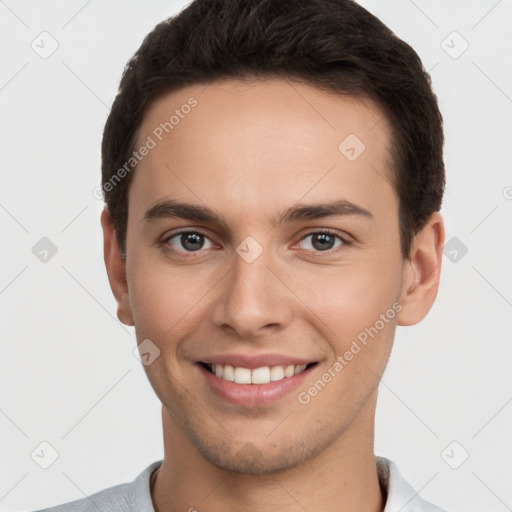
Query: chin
point(249, 459)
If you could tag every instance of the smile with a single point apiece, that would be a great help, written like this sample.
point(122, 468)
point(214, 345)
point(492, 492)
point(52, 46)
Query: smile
point(261, 375)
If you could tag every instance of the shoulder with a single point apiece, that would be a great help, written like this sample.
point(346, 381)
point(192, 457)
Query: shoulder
point(132, 496)
point(400, 494)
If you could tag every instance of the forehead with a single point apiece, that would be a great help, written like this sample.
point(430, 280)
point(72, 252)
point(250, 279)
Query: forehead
point(225, 140)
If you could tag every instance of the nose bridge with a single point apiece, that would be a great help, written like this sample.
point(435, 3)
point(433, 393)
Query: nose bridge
point(252, 297)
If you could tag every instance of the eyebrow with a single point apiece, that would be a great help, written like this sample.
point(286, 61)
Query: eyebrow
point(171, 208)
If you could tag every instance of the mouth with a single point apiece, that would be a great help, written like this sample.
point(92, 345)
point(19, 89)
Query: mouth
point(251, 380)
point(252, 376)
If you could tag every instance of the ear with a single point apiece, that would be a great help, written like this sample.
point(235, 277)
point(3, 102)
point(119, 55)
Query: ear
point(116, 269)
point(421, 272)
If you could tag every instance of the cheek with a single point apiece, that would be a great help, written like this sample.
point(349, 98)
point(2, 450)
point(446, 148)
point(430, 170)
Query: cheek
point(355, 311)
point(346, 301)
point(164, 301)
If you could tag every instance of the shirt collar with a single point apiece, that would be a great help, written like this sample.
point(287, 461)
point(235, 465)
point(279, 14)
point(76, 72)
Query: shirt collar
point(401, 497)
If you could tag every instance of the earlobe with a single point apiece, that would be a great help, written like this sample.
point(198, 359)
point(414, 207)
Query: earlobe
point(116, 269)
point(422, 272)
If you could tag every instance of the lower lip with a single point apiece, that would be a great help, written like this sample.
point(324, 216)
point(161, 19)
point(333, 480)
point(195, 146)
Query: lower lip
point(253, 395)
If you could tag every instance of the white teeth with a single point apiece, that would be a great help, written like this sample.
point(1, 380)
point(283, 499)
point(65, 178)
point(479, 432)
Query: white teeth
point(289, 371)
point(242, 375)
point(262, 375)
point(229, 373)
point(299, 368)
point(276, 373)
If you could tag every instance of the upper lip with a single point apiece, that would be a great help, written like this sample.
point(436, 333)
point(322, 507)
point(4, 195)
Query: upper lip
point(255, 361)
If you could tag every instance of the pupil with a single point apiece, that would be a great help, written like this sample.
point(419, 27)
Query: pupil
point(323, 241)
point(192, 241)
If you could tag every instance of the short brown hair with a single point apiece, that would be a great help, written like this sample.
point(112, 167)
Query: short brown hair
point(335, 45)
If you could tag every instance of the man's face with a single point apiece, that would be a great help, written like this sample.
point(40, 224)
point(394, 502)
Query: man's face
point(268, 278)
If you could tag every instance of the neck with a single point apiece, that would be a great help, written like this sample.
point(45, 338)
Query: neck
point(341, 478)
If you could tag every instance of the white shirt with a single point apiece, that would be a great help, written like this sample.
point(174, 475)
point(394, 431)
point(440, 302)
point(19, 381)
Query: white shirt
point(136, 496)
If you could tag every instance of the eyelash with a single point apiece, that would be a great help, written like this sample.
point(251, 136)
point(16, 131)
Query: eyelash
point(166, 247)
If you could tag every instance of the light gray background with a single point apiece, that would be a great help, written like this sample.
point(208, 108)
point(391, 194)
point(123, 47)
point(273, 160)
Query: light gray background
point(68, 374)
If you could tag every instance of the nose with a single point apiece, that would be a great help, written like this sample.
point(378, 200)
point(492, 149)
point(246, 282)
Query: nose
point(253, 298)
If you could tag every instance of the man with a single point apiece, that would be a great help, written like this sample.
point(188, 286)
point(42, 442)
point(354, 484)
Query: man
point(273, 175)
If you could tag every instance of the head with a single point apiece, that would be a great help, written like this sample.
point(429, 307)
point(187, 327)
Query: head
point(299, 144)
